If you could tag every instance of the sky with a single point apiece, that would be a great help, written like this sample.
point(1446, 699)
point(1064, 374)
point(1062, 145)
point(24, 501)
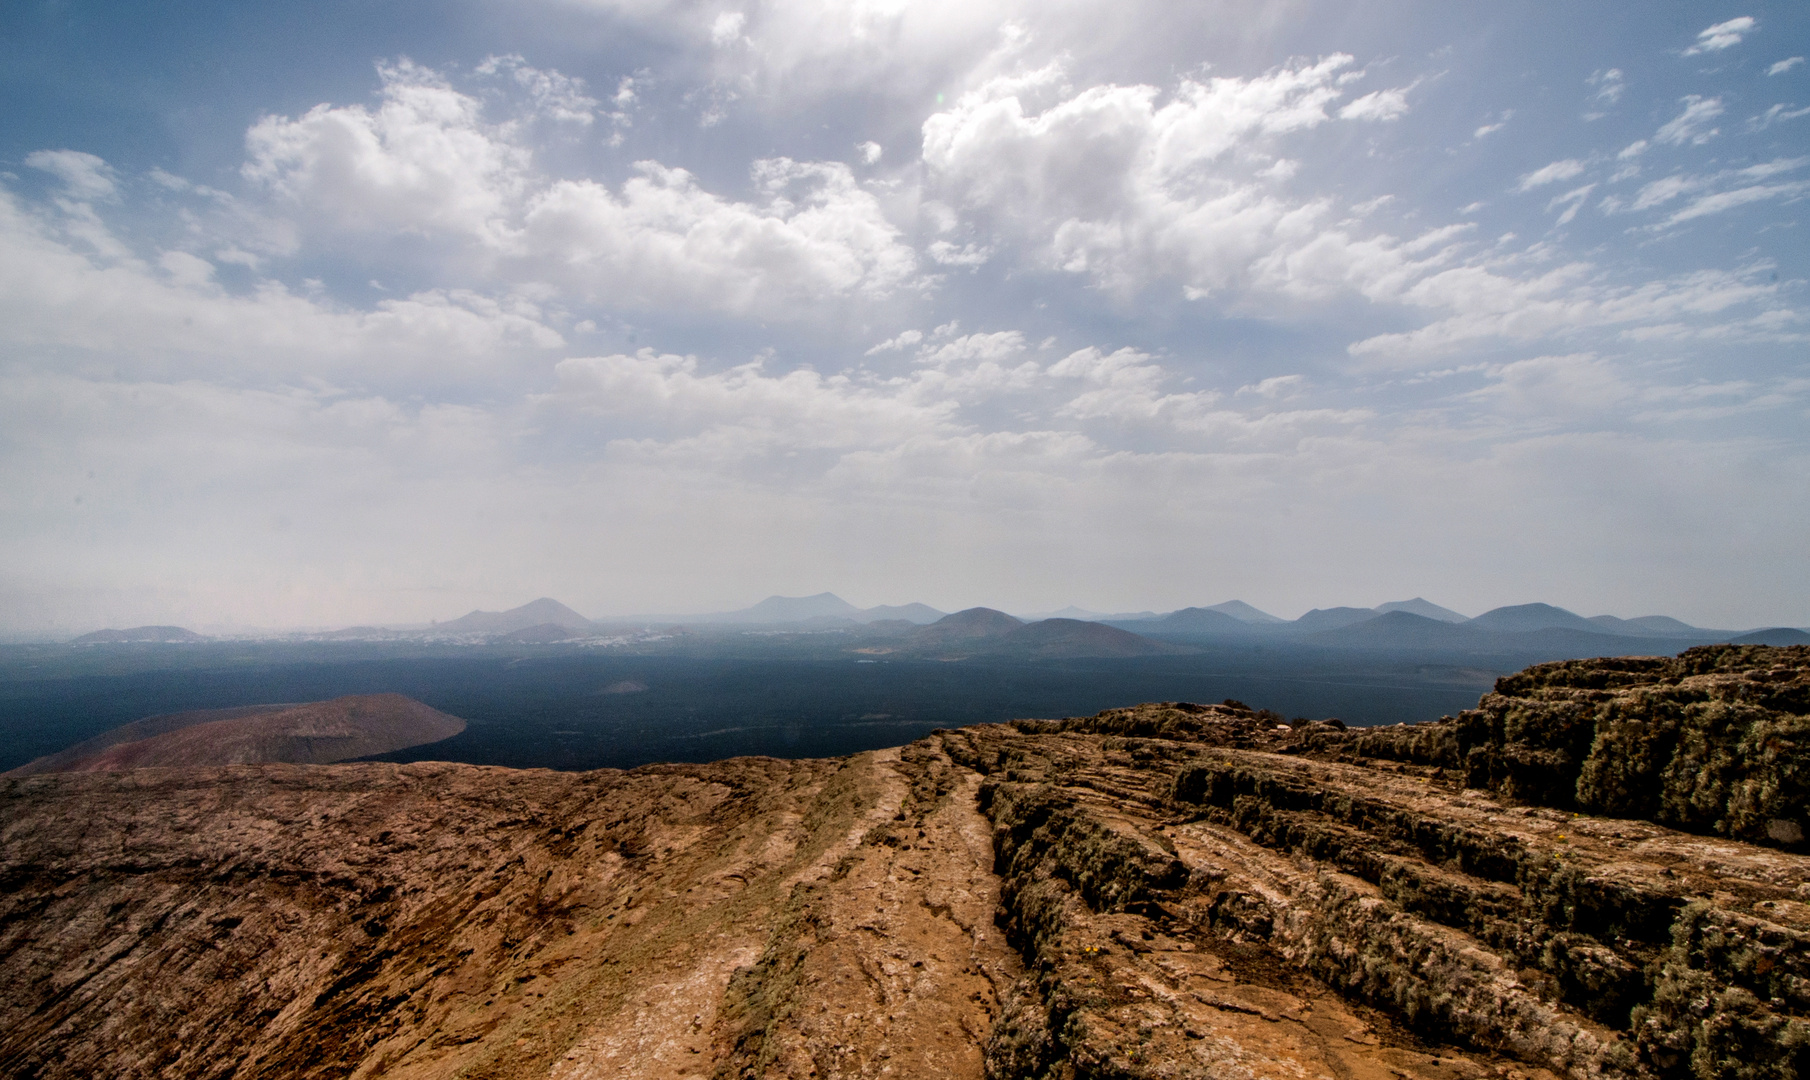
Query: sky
point(347, 312)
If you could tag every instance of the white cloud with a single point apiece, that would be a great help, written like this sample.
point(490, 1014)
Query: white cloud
point(1737, 187)
point(885, 46)
point(1784, 65)
point(1571, 200)
point(1275, 386)
point(749, 410)
point(1728, 200)
point(1377, 105)
point(667, 407)
point(1550, 174)
point(1688, 126)
point(169, 314)
point(1487, 129)
point(870, 152)
point(424, 161)
point(1664, 190)
point(1723, 35)
point(556, 96)
point(84, 176)
point(945, 253)
point(905, 339)
point(1113, 183)
point(1774, 115)
point(1551, 390)
point(1610, 85)
point(664, 240)
point(994, 346)
point(1485, 304)
point(1125, 387)
point(726, 29)
point(1632, 150)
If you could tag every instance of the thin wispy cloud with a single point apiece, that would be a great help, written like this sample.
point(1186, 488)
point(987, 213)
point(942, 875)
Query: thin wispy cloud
point(1723, 35)
point(1693, 124)
point(1567, 169)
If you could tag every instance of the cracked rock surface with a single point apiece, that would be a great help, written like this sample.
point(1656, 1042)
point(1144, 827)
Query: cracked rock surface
point(1595, 874)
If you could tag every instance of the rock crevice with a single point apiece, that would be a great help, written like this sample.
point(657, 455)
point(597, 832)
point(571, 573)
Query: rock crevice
point(1592, 875)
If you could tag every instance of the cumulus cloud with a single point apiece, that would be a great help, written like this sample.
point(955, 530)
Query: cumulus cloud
point(1117, 184)
point(423, 161)
point(1723, 35)
point(427, 161)
point(1125, 385)
point(665, 240)
point(1126, 188)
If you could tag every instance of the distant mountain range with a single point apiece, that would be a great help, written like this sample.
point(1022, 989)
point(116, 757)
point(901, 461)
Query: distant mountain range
point(779, 610)
point(918, 629)
point(1391, 620)
point(1425, 609)
point(984, 632)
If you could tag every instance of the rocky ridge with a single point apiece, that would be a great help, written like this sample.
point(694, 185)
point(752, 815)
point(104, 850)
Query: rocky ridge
point(1171, 890)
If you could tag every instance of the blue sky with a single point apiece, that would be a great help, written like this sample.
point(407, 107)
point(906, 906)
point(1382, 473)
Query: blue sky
point(331, 313)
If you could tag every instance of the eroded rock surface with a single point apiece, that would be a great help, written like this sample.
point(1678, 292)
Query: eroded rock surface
point(1172, 890)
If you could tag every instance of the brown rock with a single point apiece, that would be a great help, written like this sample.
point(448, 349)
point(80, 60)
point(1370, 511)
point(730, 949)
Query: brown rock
point(1172, 890)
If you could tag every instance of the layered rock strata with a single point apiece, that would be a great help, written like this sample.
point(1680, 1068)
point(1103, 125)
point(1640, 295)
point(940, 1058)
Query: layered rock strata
point(1172, 890)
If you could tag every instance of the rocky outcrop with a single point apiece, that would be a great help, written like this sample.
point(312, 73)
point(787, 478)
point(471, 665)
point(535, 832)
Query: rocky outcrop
point(1172, 890)
point(1714, 741)
point(753, 917)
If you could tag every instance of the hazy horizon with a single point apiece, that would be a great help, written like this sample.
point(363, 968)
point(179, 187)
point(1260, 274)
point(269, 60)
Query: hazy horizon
point(369, 313)
point(232, 628)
